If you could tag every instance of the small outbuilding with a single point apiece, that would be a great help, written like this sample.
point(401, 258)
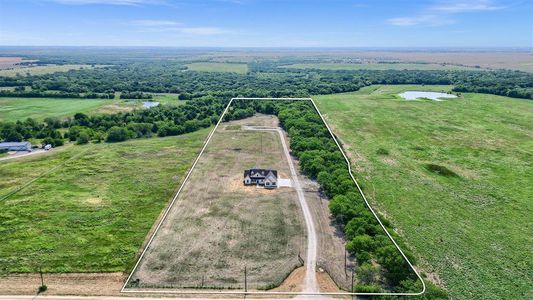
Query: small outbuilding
point(267, 178)
point(15, 146)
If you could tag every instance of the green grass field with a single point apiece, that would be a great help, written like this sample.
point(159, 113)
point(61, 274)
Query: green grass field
point(167, 98)
point(455, 177)
point(39, 70)
point(12, 109)
point(377, 66)
point(93, 212)
point(218, 67)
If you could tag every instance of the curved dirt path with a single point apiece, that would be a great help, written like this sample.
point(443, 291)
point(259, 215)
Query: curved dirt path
point(310, 283)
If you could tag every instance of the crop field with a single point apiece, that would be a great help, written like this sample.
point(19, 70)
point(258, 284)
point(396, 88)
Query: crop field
point(455, 177)
point(218, 67)
point(217, 226)
point(40, 70)
point(88, 208)
point(514, 60)
point(377, 66)
point(12, 109)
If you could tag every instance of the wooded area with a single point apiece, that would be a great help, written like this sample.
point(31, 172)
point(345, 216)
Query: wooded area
point(266, 78)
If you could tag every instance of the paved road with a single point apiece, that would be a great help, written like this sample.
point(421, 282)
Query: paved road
point(51, 297)
point(310, 284)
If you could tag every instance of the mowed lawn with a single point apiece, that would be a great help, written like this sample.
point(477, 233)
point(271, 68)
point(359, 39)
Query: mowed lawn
point(13, 109)
point(218, 67)
point(378, 66)
point(90, 207)
point(455, 177)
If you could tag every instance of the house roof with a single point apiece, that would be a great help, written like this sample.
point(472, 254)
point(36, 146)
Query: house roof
point(262, 172)
point(14, 144)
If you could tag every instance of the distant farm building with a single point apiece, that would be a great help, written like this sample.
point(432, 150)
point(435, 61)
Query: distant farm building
point(15, 146)
point(263, 177)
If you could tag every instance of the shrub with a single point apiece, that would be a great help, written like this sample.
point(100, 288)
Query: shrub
point(362, 247)
point(83, 138)
point(367, 273)
point(441, 170)
point(367, 288)
point(117, 134)
point(382, 151)
point(396, 267)
point(433, 292)
point(54, 142)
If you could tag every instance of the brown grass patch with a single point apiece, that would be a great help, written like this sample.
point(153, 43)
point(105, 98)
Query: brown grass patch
point(92, 284)
point(218, 226)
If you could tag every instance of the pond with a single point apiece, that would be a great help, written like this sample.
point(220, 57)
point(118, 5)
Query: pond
point(150, 104)
point(435, 96)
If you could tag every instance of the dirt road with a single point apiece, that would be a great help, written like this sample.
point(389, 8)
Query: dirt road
point(310, 284)
point(23, 154)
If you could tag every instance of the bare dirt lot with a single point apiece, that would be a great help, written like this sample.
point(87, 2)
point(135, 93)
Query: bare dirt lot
point(63, 284)
point(515, 60)
point(9, 62)
point(331, 243)
point(217, 226)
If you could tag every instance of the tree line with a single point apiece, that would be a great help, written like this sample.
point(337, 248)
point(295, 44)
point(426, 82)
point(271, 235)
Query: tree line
point(163, 120)
point(265, 79)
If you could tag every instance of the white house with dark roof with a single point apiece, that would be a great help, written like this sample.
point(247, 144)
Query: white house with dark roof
point(263, 177)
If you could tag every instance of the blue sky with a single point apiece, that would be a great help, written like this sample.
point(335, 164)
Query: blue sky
point(268, 23)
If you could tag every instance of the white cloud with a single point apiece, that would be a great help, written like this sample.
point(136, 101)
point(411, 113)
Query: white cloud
point(466, 6)
point(173, 26)
point(154, 23)
point(440, 13)
point(109, 2)
point(428, 20)
point(202, 30)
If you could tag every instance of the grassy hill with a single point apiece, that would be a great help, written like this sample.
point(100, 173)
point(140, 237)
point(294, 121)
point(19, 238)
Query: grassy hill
point(455, 177)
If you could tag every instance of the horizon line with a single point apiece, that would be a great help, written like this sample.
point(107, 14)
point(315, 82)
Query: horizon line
point(494, 48)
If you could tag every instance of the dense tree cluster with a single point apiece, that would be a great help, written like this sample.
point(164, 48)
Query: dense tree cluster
point(47, 131)
point(162, 120)
point(266, 79)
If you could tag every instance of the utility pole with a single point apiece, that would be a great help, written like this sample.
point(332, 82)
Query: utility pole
point(345, 266)
point(245, 281)
point(352, 282)
point(41, 272)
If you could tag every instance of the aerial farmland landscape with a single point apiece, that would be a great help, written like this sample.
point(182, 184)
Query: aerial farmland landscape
point(160, 149)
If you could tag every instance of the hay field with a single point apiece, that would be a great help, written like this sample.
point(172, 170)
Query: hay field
point(23, 70)
point(218, 67)
point(217, 226)
point(90, 206)
point(377, 66)
point(13, 109)
point(455, 178)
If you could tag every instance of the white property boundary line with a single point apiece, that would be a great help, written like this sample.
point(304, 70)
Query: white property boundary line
point(200, 292)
